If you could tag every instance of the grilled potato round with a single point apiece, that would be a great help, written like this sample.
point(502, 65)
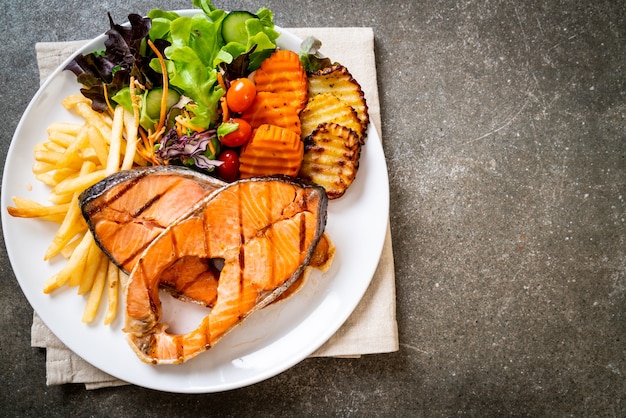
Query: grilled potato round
point(328, 108)
point(338, 81)
point(331, 158)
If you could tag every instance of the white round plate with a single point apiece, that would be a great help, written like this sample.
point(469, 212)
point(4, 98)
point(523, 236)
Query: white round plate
point(266, 344)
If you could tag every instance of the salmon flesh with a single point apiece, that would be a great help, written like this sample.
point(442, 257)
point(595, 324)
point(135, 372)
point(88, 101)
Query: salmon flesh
point(262, 232)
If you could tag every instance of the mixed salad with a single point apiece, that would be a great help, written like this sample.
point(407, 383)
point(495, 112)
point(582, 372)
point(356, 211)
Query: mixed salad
point(186, 79)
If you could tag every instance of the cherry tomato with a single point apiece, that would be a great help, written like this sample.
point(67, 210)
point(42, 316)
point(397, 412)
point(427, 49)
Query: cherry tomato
point(240, 136)
point(229, 171)
point(240, 94)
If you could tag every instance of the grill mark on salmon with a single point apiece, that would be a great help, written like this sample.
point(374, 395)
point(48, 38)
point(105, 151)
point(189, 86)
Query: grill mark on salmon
point(127, 262)
point(149, 204)
point(242, 252)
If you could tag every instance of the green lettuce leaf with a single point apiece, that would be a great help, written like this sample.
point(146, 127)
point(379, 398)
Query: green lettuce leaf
point(195, 44)
point(196, 50)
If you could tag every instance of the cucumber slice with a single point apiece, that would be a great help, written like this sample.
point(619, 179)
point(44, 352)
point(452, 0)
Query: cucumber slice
point(234, 26)
point(151, 109)
point(153, 101)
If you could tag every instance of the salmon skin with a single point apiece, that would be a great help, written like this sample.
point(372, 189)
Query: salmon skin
point(129, 209)
point(263, 230)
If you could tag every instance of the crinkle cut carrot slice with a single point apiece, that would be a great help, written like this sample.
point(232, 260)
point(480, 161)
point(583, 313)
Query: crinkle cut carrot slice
point(271, 150)
point(283, 73)
point(271, 108)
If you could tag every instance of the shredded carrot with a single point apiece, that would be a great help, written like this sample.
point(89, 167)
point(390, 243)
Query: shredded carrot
point(143, 149)
point(155, 136)
point(225, 114)
point(220, 81)
point(106, 98)
point(185, 123)
point(212, 148)
point(146, 147)
point(223, 102)
point(134, 100)
point(165, 85)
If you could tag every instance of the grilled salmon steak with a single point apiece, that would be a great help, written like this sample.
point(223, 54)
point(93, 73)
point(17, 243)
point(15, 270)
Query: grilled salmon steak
point(128, 210)
point(264, 230)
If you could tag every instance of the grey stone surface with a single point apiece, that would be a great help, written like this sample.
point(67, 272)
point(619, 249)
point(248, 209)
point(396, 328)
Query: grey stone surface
point(504, 128)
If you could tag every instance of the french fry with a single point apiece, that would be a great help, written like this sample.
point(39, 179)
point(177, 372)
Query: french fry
point(52, 157)
point(73, 263)
point(76, 270)
point(106, 118)
point(60, 198)
point(63, 128)
point(113, 161)
point(52, 284)
point(47, 179)
point(72, 151)
point(52, 178)
point(131, 140)
point(26, 208)
point(68, 229)
point(139, 160)
point(91, 267)
point(113, 292)
point(99, 144)
point(79, 183)
point(91, 308)
point(69, 248)
point(45, 155)
point(71, 101)
point(40, 167)
point(85, 111)
point(61, 138)
point(73, 158)
point(51, 146)
point(89, 154)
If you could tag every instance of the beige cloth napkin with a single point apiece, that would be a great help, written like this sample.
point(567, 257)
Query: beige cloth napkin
point(370, 329)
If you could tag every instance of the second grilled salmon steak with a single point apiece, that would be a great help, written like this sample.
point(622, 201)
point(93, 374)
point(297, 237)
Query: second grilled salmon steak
point(264, 230)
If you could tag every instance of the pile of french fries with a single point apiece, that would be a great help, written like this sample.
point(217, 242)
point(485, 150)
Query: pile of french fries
point(74, 157)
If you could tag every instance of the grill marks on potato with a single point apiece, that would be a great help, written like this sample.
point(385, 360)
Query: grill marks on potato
point(331, 158)
point(338, 81)
point(334, 126)
point(328, 108)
